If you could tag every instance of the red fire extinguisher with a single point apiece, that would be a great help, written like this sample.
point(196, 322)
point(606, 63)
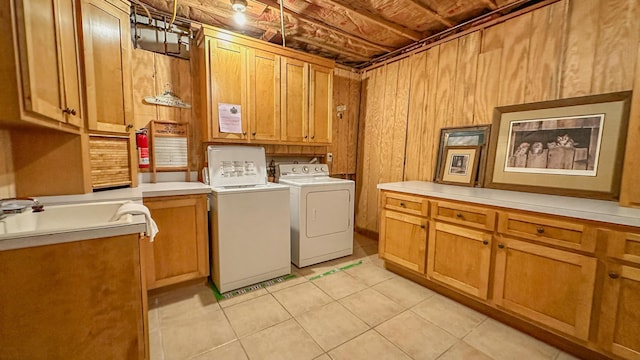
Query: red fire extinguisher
point(142, 142)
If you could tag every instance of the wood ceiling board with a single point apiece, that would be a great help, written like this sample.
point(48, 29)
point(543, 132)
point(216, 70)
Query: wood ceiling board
point(411, 13)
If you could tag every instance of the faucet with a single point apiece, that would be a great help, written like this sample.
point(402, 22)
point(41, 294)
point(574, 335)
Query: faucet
point(35, 205)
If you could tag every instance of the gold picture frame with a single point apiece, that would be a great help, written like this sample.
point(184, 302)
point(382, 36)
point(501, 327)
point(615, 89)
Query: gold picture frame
point(570, 147)
point(460, 165)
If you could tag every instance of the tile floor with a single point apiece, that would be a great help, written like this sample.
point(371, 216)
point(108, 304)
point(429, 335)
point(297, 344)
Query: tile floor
point(364, 312)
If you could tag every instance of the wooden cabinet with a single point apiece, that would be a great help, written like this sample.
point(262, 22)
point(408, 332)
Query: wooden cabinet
point(41, 70)
point(75, 300)
point(284, 95)
point(459, 257)
point(107, 59)
point(403, 231)
point(552, 287)
point(463, 214)
point(180, 250)
point(620, 318)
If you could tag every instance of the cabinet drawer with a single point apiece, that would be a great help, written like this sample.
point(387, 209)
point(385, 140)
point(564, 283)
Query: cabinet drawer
point(409, 204)
point(472, 216)
point(568, 234)
point(624, 246)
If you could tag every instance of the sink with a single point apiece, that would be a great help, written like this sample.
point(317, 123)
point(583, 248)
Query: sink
point(62, 218)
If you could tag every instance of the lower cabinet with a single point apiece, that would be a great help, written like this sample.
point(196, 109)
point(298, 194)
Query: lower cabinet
point(620, 312)
point(403, 239)
point(459, 257)
point(75, 300)
point(549, 286)
point(180, 250)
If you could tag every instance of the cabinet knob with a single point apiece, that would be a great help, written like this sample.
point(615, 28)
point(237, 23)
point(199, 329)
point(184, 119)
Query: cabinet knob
point(501, 245)
point(253, 133)
point(305, 136)
point(313, 137)
point(459, 215)
point(244, 133)
point(421, 226)
point(485, 242)
point(613, 275)
point(402, 204)
point(540, 230)
point(129, 127)
point(69, 111)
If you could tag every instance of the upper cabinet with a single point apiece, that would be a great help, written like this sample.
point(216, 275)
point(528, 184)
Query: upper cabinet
point(283, 96)
point(107, 58)
point(41, 70)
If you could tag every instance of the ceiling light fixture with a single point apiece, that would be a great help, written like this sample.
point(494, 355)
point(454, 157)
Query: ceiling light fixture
point(239, 7)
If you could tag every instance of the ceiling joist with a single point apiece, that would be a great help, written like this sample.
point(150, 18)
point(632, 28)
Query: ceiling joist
point(274, 4)
point(491, 4)
point(400, 30)
point(342, 51)
point(433, 13)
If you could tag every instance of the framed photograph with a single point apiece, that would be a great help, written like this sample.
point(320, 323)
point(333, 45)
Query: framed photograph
point(572, 147)
point(460, 165)
point(464, 136)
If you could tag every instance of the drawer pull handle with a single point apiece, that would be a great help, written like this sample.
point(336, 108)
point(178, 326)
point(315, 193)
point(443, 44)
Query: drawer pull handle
point(501, 245)
point(421, 226)
point(402, 204)
point(459, 215)
point(540, 230)
point(613, 275)
point(485, 242)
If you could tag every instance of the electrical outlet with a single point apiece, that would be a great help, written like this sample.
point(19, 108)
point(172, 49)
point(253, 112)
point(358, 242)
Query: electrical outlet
point(329, 157)
point(341, 108)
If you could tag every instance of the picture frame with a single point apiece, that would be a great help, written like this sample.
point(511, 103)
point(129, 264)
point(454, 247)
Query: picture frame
point(569, 147)
point(464, 136)
point(460, 165)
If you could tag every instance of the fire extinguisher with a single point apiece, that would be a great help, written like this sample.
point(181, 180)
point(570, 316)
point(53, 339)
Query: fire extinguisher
point(142, 141)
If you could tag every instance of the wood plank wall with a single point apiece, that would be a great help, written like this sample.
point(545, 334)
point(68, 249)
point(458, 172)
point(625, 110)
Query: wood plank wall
point(7, 178)
point(566, 49)
point(346, 91)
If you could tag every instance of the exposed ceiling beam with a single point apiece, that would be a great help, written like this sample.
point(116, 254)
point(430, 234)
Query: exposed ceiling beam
point(274, 4)
point(433, 13)
point(331, 48)
point(400, 30)
point(269, 34)
point(491, 4)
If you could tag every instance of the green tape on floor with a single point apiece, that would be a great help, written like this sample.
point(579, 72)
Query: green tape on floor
point(333, 271)
point(264, 284)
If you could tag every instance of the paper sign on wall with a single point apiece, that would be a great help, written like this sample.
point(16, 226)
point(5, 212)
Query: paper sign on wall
point(229, 118)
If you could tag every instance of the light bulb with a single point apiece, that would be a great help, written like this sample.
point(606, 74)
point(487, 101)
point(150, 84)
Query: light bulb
point(240, 18)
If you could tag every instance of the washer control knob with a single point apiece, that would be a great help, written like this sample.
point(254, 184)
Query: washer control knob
point(293, 169)
point(317, 169)
point(305, 169)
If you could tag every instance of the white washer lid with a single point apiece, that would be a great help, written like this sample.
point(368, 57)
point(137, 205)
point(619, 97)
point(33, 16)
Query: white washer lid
point(221, 190)
point(318, 180)
point(236, 165)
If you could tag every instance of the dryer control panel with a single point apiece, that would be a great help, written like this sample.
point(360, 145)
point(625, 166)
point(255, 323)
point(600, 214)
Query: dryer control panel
point(303, 170)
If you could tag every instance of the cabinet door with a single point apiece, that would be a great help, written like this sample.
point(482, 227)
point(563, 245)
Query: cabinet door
point(107, 54)
point(320, 100)
point(295, 82)
point(180, 250)
point(552, 287)
point(70, 54)
point(264, 77)
point(403, 239)
point(620, 319)
point(460, 258)
point(228, 85)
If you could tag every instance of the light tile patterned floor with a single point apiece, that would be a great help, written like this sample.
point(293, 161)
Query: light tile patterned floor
point(365, 312)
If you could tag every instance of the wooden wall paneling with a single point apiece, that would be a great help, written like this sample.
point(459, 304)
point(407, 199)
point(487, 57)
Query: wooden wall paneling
point(363, 155)
point(402, 97)
point(629, 190)
point(7, 178)
point(493, 38)
point(430, 127)
point(619, 32)
point(415, 116)
point(545, 52)
point(388, 121)
point(487, 86)
point(353, 115)
point(143, 85)
point(446, 83)
point(167, 77)
point(514, 60)
point(580, 48)
point(466, 75)
point(339, 128)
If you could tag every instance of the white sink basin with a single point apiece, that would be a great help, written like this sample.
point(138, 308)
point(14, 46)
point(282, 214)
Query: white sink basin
point(61, 218)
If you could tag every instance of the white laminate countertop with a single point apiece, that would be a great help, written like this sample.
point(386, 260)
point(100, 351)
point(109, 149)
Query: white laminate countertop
point(145, 190)
point(589, 209)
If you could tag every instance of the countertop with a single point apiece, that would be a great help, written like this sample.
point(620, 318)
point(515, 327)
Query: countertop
point(589, 209)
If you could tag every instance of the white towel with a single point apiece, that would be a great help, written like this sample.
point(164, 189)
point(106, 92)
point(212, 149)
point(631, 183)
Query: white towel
point(138, 209)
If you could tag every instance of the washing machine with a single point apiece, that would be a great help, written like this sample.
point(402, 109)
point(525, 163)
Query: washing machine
point(321, 210)
point(250, 232)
